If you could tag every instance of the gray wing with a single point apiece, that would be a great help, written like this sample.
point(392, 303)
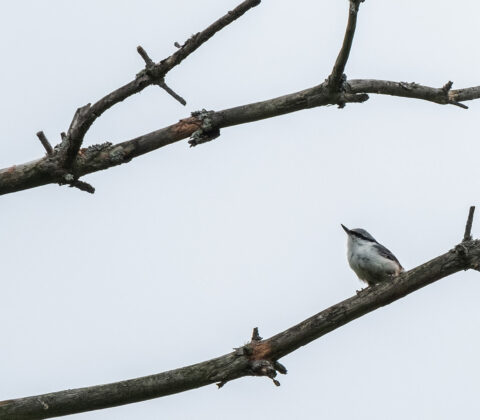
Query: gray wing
point(384, 252)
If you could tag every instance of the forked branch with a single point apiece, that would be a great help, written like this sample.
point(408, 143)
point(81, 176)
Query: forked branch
point(61, 163)
point(103, 156)
point(337, 76)
point(67, 162)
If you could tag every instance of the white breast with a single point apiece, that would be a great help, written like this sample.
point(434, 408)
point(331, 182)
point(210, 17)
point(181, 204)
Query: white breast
point(368, 264)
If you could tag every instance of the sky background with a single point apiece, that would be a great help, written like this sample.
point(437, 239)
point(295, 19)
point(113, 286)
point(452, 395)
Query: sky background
point(180, 253)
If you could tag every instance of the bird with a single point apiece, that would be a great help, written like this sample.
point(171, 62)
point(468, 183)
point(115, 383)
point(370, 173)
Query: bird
point(371, 261)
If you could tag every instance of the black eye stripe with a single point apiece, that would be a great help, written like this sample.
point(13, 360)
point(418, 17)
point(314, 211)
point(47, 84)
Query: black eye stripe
point(359, 235)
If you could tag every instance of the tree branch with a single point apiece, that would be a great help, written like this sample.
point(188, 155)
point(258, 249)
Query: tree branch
point(99, 157)
point(257, 358)
point(45, 143)
point(468, 227)
point(60, 165)
point(159, 70)
point(337, 77)
point(69, 162)
point(414, 90)
point(150, 67)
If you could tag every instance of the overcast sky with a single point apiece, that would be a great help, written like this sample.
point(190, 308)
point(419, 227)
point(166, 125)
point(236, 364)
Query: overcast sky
point(180, 253)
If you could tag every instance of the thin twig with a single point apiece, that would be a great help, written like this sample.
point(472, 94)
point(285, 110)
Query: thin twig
point(71, 143)
point(171, 92)
point(256, 335)
point(459, 104)
point(83, 186)
point(148, 61)
point(446, 89)
point(162, 68)
point(335, 78)
point(158, 79)
point(280, 368)
point(45, 143)
point(468, 227)
point(69, 179)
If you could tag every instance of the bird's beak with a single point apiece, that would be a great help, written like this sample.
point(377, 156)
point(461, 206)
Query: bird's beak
point(345, 229)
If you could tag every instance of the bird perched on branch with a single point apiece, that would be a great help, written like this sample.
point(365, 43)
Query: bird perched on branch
point(371, 261)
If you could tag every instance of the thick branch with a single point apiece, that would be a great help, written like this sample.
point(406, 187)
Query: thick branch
point(256, 358)
point(161, 69)
point(67, 164)
point(100, 157)
point(60, 164)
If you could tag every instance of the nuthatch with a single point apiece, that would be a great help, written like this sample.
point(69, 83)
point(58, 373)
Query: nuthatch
point(371, 261)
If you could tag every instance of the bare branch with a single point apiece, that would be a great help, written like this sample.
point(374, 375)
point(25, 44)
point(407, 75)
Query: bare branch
point(45, 143)
point(160, 81)
point(171, 92)
point(468, 227)
point(414, 90)
point(83, 186)
point(459, 104)
point(161, 69)
point(73, 182)
point(148, 61)
point(72, 142)
point(256, 335)
point(64, 164)
point(280, 368)
point(95, 158)
point(466, 94)
point(200, 38)
point(257, 358)
point(337, 76)
point(45, 171)
point(446, 89)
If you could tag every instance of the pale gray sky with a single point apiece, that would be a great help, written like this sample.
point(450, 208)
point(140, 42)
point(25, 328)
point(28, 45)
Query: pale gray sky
point(180, 253)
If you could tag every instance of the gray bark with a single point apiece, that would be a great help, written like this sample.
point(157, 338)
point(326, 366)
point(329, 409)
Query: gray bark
point(258, 358)
point(67, 162)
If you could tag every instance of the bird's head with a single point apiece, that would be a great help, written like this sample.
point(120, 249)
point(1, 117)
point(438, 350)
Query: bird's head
point(358, 234)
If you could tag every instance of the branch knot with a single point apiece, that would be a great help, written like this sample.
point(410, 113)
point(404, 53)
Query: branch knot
point(156, 73)
point(207, 131)
point(449, 98)
point(261, 363)
point(264, 368)
point(67, 178)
